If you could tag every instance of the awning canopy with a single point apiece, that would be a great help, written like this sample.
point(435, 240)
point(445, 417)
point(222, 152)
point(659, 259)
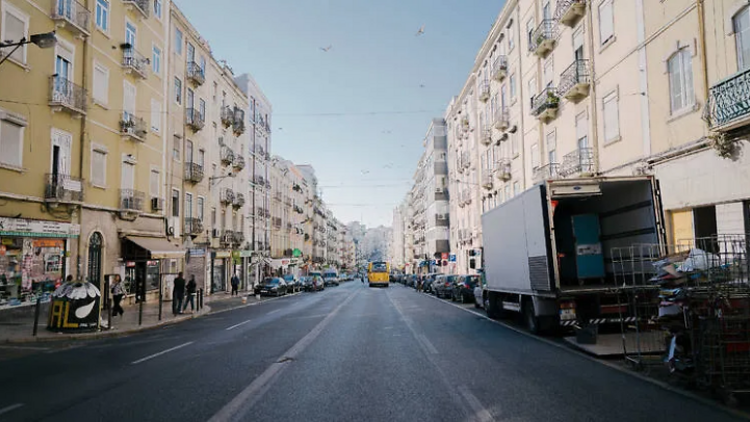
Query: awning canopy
point(158, 247)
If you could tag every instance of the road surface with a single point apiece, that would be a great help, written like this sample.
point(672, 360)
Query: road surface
point(349, 353)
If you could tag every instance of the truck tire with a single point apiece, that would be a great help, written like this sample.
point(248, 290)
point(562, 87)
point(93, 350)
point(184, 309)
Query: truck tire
point(490, 306)
point(531, 320)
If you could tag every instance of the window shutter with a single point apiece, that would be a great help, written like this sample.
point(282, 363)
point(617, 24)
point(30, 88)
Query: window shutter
point(155, 115)
point(98, 168)
point(11, 143)
point(101, 85)
point(15, 29)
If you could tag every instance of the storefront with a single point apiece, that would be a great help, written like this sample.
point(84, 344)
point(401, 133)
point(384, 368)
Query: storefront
point(243, 268)
point(150, 262)
point(220, 265)
point(196, 265)
point(32, 259)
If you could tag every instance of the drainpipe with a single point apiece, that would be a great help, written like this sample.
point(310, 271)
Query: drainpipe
point(702, 47)
point(81, 154)
point(594, 123)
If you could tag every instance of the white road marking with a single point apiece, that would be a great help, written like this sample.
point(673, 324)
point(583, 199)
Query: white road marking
point(273, 312)
point(480, 413)
point(161, 353)
point(237, 325)
point(10, 408)
point(242, 402)
point(428, 344)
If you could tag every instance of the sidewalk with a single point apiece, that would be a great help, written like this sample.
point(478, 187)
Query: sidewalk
point(17, 326)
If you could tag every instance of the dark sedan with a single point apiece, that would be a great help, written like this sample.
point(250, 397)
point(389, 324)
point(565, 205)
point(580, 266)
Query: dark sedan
point(273, 286)
point(443, 285)
point(463, 288)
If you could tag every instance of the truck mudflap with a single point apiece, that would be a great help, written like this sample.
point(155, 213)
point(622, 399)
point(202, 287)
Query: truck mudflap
point(596, 321)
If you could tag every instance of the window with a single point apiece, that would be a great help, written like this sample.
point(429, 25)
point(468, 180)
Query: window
point(188, 205)
point(582, 131)
point(175, 203)
point(11, 143)
point(512, 83)
point(178, 42)
point(549, 72)
point(213, 217)
point(514, 144)
point(176, 148)
point(535, 156)
point(507, 192)
point(202, 107)
point(216, 90)
point(200, 208)
point(99, 167)
point(516, 188)
point(157, 8)
point(552, 147)
point(14, 27)
point(680, 69)
point(511, 38)
point(606, 22)
point(153, 183)
point(611, 113)
point(155, 115)
point(101, 84)
point(741, 22)
point(532, 90)
point(201, 160)
point(156, 60)
point(530, 32)
point(177, 90)
point(102, 15)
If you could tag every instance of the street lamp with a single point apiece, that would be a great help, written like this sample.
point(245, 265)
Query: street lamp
point(45, 40)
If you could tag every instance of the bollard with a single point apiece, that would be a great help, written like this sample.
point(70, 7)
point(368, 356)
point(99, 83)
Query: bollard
point(37, 307)
point(140, 312)
point(108, 303)
point(199, 305)
point(160, 301)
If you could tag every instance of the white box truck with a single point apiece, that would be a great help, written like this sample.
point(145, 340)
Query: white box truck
point(547, 250)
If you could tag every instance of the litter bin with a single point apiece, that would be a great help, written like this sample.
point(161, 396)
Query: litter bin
point(75, 307)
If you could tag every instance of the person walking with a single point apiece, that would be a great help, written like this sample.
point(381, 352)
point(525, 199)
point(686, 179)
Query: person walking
point(190, 298)
point(235, 284)
point(118, 292)
point(178, 293)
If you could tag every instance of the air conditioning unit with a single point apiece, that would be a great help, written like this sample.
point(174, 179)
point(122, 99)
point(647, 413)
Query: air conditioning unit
point(173, 226)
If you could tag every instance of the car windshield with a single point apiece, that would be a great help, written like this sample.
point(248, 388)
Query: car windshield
point(271, 281)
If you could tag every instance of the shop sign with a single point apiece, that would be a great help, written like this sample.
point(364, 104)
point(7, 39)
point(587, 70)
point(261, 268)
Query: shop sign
point(130, 264)
point(2, 250)
point(246, 253)
point(152, 263)
point(37, 228)
point(197, 252)
point(223, 254)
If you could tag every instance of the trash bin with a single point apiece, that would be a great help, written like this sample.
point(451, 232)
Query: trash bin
point(75, 307)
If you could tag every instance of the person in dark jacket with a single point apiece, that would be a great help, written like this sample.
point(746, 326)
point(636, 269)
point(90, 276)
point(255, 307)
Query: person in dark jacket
point(235, 284)
point(178, 293)
point(190, 298)
point(118, 292)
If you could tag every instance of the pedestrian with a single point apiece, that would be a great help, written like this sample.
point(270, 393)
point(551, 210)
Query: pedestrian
point(178, 292)
point(117, 294)
point(190, 298)
point(235, 284)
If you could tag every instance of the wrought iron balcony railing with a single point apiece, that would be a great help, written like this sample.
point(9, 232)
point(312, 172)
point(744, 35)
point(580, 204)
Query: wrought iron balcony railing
point(487, 181)
point(195, 73)
point(503, 168)
point(193, 226)
point(134, 61)
point(193, 172)
point(238, 123)
point(226, 196)
point(63, 188)
point(484, 91)
point(131, 200)
point(195, 119)
point(569, 11)
point(575, 80)
point(502, 118)
point(239, 200)
point(142, 6)
point(73, 15)
point(500, 68)
point(227, 155)
point(227, 237)
point(238, 162)
point(227, 116)
point(579, 162)
point(544, 38)
point(133, 127)
point(546, 172)
point(728, 105)
point(545, 104)
point(239, 237)
point(67, 96)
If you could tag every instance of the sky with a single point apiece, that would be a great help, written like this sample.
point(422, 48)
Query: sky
point(359, 112)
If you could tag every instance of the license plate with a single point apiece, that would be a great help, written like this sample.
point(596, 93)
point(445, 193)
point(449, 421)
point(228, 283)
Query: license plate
point(567, 314)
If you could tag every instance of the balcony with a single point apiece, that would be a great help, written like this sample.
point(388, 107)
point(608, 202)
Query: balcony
point(131, 200)
point(65, 95)
point(133, 61)
point(503, 168)
point(277, 196)
point(195, 73)
point(227, 155)
point(133, 127)
point(575, 81)
point(260, 212)
point(484, 91)
point(546, 172)
point(226, 196)
point(63, 188)
point(500, 68)
point(227, 116)
point(195, 119)
point(729, 104)
point(441, 220)
point(544, 38)
point(239, 200)
point(485, 136)
point(239, 237)
point(239, 162)
point(544, 106)
point(502, 118)
point(73, 16)
point(238, 123)
point(568, 12)
point(487, 181)
point(578, 163)
point(193, 172)
point(141, 6)
point(227, 237)
point(193, 226)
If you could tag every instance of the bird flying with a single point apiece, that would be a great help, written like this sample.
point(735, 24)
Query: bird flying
point(420, 32)
point(325, 49)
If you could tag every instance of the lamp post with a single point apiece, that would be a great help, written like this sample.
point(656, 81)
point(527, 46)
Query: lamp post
point(44, 40)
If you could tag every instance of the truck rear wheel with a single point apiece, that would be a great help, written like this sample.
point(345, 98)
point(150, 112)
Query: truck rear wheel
point(532, 322)
point(490, 305)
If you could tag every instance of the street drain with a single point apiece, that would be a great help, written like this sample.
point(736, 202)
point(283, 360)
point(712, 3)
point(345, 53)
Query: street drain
point(285, 359)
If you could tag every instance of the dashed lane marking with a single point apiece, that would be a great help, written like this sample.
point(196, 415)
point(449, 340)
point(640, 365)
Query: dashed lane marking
point(161, 353)
point(10, 408)
point(237, 325)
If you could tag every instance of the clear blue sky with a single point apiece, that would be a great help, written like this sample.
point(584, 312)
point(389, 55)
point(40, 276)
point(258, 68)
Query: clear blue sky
point(376, 64)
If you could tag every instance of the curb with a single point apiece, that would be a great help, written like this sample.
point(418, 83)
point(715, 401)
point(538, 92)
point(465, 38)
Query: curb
point(115, 334)
point(666, 386)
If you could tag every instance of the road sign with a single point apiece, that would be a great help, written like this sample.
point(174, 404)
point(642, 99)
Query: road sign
point(445, 255)
point(452, 257)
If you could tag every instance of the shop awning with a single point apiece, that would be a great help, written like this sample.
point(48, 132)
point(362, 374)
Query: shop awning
point(158, 247)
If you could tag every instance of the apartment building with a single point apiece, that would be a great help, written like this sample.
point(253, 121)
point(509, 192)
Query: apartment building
point(288, 198)
point(396, 253)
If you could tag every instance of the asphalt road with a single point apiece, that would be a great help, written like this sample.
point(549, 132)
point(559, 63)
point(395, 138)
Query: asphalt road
point(349, 353)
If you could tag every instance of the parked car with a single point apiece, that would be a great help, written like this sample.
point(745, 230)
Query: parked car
point(463, 288)
point(428, 283)
point(273, 286)
point(293, 283)
point(318, 283)
point(331, 280)
point(410, 280)
point(479, 292)
point(443, 285)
